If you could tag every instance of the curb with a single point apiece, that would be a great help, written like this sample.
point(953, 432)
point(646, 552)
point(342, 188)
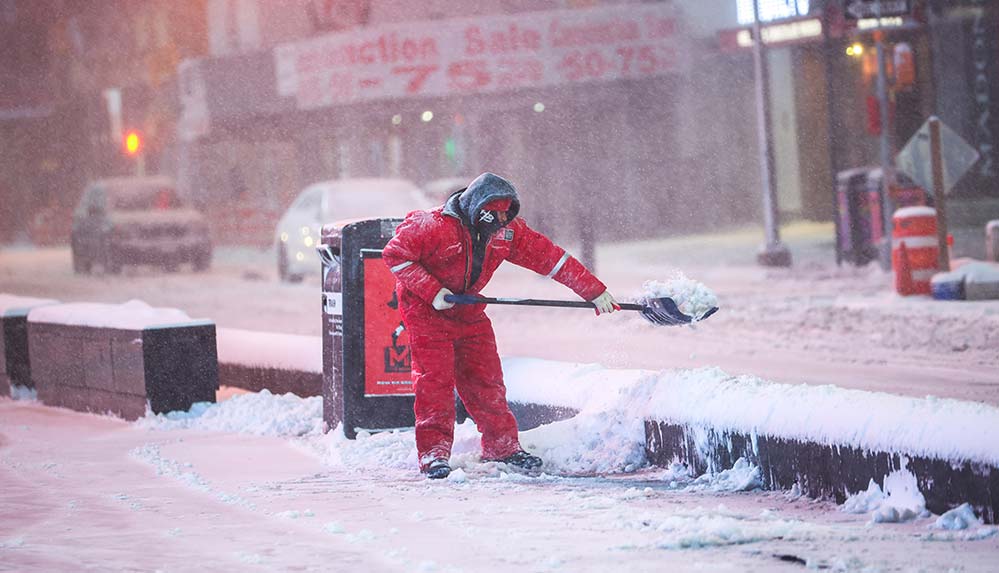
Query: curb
point(824, 471)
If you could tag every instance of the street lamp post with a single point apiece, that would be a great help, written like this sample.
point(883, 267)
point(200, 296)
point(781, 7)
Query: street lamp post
point(774, 253)
point(887, 168)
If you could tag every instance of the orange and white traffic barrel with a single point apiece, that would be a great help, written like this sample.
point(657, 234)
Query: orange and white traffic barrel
point(915, 249)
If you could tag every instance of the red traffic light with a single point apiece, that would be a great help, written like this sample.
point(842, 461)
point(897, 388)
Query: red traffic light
point(133, 143)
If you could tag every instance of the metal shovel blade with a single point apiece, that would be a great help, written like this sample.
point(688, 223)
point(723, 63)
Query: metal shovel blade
point(663, 311)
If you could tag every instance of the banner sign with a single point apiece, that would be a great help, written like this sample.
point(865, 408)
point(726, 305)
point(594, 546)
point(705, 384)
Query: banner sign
point(387, 355)
point(482, 55)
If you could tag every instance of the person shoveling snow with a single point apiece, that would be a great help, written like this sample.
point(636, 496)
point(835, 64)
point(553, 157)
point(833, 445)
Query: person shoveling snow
point(456, 248)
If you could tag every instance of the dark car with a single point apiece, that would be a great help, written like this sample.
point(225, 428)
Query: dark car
point(137, 220)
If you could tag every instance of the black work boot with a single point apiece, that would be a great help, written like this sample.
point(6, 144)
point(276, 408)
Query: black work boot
point(438, 469)
point(523, 459)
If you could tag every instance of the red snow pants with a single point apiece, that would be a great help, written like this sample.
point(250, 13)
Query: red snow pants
point(459, 355)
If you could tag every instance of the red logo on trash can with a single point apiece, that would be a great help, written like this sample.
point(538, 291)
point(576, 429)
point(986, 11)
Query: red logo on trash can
point(387, 354)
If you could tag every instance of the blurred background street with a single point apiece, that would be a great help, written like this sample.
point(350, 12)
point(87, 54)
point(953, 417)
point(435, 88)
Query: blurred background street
point(815, 323)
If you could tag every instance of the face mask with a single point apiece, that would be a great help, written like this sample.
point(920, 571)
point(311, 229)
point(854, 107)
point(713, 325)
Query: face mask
point(489, 222)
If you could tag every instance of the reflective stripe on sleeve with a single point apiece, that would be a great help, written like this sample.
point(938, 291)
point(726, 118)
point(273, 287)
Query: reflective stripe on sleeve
point(558, 265)
point(401, 266)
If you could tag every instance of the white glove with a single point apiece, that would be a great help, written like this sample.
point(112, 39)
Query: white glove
point(439, 302)
point(605, 303)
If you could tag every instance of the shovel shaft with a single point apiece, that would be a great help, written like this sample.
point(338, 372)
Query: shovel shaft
point(472, 299)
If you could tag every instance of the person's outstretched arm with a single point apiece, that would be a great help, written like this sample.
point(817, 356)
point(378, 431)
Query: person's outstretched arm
point(534, 251)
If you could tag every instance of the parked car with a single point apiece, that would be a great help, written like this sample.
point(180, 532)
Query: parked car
point(137, 220)
point(297, 232)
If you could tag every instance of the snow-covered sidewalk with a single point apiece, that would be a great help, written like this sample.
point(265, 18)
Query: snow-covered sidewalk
point(251, 483)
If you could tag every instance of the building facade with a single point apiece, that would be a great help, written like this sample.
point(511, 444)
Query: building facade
point(74, 75)
point(615, 118)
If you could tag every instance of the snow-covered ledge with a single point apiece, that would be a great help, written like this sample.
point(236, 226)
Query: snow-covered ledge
point(279, 363)
point(824, 440)
point(121, 359)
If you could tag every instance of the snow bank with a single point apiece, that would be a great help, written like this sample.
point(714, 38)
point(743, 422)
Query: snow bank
point(608, 435)
point(10, 303)
point(270, 350)
point(132, 315)
point(708, 397)
point(261, 414)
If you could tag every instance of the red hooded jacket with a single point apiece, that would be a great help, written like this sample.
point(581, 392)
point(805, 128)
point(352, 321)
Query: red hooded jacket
point(433, 249)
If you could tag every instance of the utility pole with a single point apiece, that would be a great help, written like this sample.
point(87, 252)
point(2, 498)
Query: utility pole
point(774, 253)
point(887, 166)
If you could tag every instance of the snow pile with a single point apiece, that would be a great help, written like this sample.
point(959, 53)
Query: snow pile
point(703, 528)
point(593, 442)
point(132, 315)
point(270, 350)
point(691, 297)
point(12, 304)
point(261, 414)
point(18, 392)
point(961, 517)
point(742, 476)
point(900, 501)
point(864, 501)
point(962, 524)
point(392, 449)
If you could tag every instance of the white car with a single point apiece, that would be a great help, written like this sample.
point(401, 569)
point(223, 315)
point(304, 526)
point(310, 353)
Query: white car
point(298, 230)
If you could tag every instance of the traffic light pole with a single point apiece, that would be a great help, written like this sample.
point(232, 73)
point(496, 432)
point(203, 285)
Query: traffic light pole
point(774, 253)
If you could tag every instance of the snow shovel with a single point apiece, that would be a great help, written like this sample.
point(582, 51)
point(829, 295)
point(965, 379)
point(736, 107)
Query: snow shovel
point(662, 311)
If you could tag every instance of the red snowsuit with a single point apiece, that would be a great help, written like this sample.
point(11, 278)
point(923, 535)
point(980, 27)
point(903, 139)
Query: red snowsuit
point(456, 348)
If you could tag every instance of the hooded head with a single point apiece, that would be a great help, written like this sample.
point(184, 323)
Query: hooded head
point(486, 195)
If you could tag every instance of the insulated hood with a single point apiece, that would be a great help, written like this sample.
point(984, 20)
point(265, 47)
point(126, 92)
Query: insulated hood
point(485, 188)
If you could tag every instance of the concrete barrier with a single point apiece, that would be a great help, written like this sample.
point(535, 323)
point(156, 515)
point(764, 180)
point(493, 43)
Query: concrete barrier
point(824, 471)
point(15, 366)
point(117, 358)
point(279, 363)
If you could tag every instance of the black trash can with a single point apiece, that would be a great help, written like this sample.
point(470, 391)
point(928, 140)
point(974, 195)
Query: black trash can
point(366, 353)
point(861, 227)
